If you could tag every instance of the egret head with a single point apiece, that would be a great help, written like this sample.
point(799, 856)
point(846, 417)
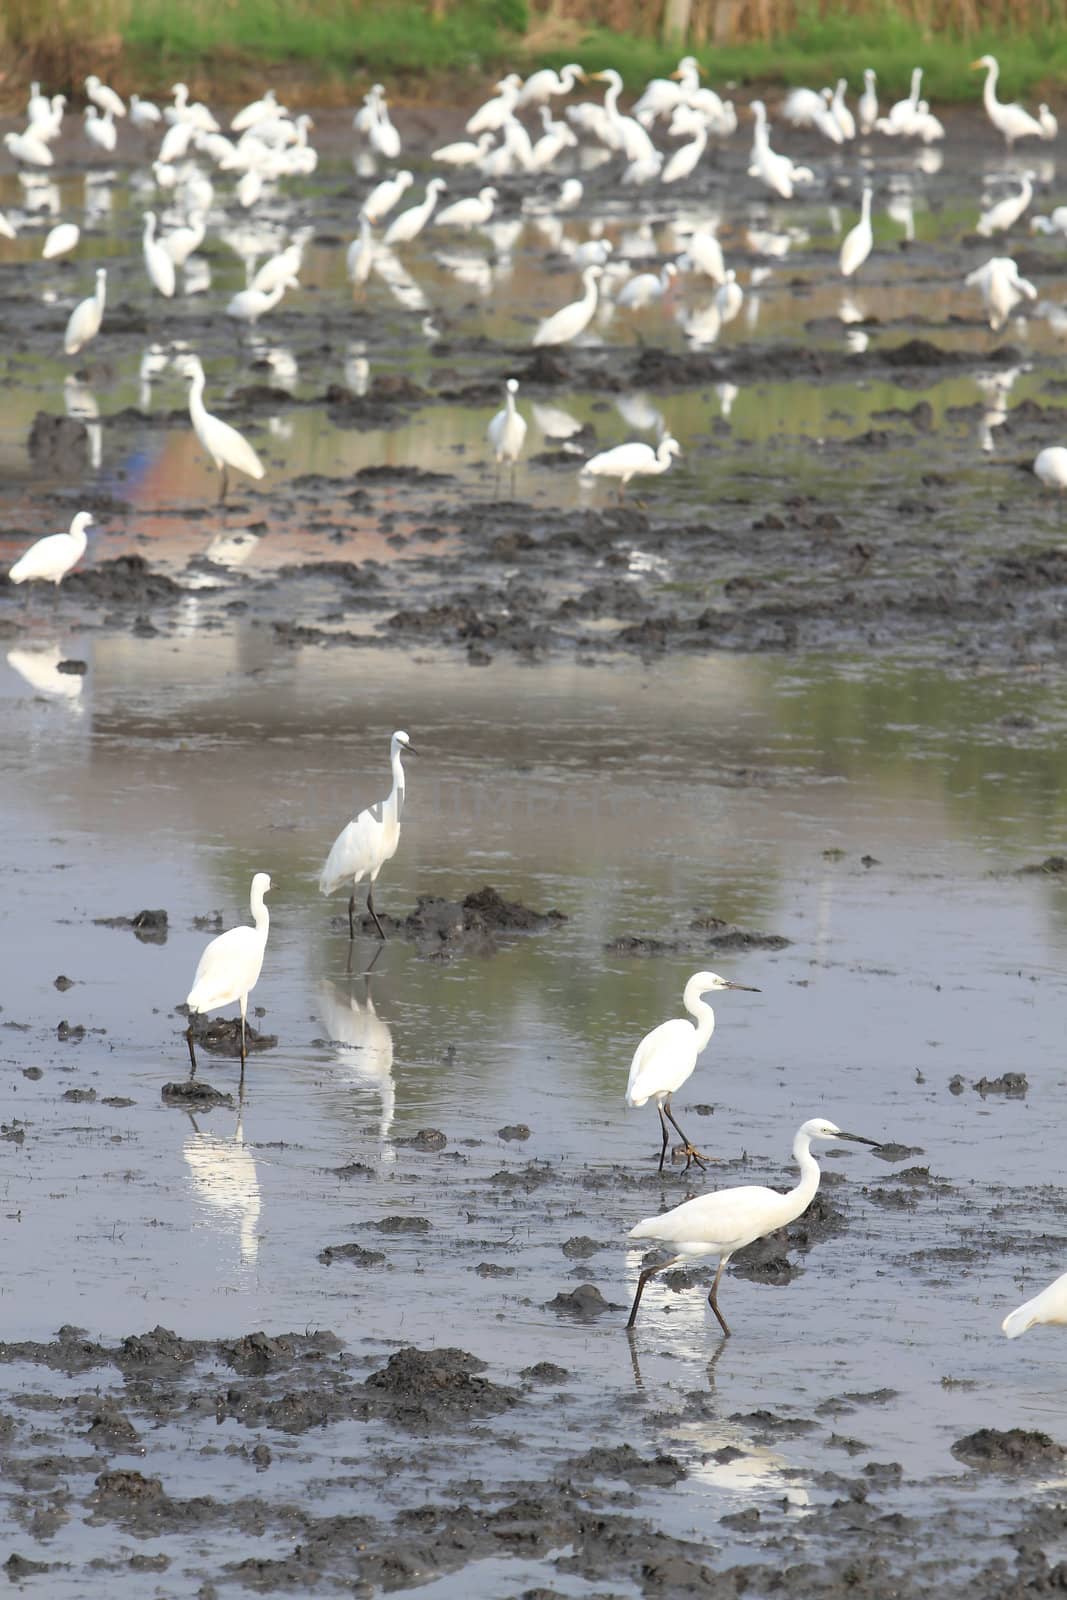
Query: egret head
point(709, 982)
point(983, 62)
point(260, 885)
point(402, 742)
point(822, 1128)
point(513, 386)
point(82, 521)
point(672, 448)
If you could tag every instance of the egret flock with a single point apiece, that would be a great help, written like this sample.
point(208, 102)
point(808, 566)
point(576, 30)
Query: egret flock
point(263, 147)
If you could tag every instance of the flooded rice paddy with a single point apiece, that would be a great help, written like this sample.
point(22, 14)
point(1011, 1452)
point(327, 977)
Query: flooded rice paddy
point(798, 716)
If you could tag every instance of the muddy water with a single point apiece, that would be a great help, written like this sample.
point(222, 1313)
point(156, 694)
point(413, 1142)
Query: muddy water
point(864, 815)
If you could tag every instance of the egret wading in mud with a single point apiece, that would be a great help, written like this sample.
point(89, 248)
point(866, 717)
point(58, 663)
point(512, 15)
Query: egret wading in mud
point(666, 1057)
point(84, 322)
point(507, 432)
point(229, 968)
point(634, 460)
point(226, 447)
point(51, 558)
point(363, 847)
point(722, 1223)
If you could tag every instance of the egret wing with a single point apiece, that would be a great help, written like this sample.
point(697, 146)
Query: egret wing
point(662, 1062)
point(227, 969)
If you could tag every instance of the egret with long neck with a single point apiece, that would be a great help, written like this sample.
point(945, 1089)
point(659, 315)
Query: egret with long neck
point(366, 843)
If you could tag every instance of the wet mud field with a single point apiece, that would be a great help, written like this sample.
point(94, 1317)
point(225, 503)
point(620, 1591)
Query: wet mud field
point(794, 712)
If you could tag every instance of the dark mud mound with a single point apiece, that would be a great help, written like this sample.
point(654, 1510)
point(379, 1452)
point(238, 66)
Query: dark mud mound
point(1051, 867)
point(193, 1094)
point(126, 581)
point(441, 927)
point(705, 933)
point(660, 1471)
point(427, 1389)
point(69, 1351)
point(223, 1037)
point(354, 1254)
point(149, 926)
point(58, 445)
point(584, 1303)
point(1009, 1450)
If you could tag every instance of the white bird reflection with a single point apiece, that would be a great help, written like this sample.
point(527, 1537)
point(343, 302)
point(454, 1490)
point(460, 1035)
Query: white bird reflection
point(365, 1049)
point(639, 413)
point(996, 388)
point(702, 325)
point(224, 1177)
point(39, 193)
point(554, 422)
point(80, 403)
point(231, 550)
point(357, 369)
point(39, 667)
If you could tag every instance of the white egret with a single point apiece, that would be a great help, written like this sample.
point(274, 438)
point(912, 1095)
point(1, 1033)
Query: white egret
point(60, 240)
point(176, 142)
point(625, 133)
point(363, 847)
point(180, 243)
point(7, 228)
point(682, 162)
point(722, 1223)
point(360, 256)
point(859, 241)
point(28, 149)
point(1011, 121)
point(38, 107)
point(100, 129)
point(592, 252)
point(556, 138)
point(573, 319)
point(102, 96)
point(491, 117)
point(158, 262)
point(279, 268)
point(84, 322)
point(663, 95)
point(646, 288)
point(226, 447)
point(507, 431)
point(1048, 1306)
point(925, 125)
point(1056, 223)
point(703, 253)
point(384, 196)
point(570, 194)
point(628, 461)
point(666, 1057)
point(229, 968)
point(144, 113)
point(410, 223)
point(546, 84)
point(1050, 465)
point(256, 111)
point(464, 153)
point(900, 118)
point(248, 305)
point(868, 102)
point(1001, 287)
point(729, 297)
point(382, 135)
point(776, 171)
point(846, 122)
point(51, 558)
point(1049, 125)
point(1006, 213)
point(475, 211)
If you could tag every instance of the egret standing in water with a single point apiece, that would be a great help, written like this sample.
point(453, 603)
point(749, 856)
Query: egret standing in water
point(628, 461)
point(84, 323)
point(859, 240)
point(229, 968)
point(722, 1223)
point(666, 1057)
point(370, 840)
point(507, 432)
point(226, 447)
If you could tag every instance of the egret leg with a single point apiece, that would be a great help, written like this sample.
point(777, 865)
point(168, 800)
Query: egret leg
point(224, 485)
point(192, 1048)
point(649, 1272)
point(244, 1005)
point(352, 915)
point(374, 914)
point(691, 1152)
point(713, 1297)
point(666, 1135)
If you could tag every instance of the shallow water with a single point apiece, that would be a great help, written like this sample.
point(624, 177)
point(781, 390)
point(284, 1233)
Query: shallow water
point(874, 811)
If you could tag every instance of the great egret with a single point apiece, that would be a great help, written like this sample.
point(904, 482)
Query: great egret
point(104, 97)
point(628, 461)
point(226, 447)
point(360, 256)
point(681, 163)
point(868, 102)
point(100, 129)
point(722, 1223)
point(666, 1057)
point(144, 113)
point(180, 243)
point(1006, 213)
point(646, 288)
point(507, 431)
point(464, 153)
point(50, 559)
point(1050, 465)
point(60, 240)
point(158, 262)
point(1011, 121)
point(625, 133)
point(546, 84)
point(663, 95)
point(1001, 288)
point(573, 319)
point(729, 297)
point(229, 968)
point(28, 149)
point(410, 223)
point(1048, 1306)
point(248, 305)
point(491, 116)
point(363, 847)
point(84, 322)
point(846, 122)
point(384, 196)
point(1049, 125)
point(859, 241)
point(470, 213)
point(256, 111)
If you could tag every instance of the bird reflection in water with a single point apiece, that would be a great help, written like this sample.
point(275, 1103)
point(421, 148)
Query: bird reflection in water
point(363, 1045)
point(224, 1177)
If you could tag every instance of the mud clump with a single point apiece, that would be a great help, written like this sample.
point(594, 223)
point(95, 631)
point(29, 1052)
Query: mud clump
point(705, 933)
point(159, 1348)
point(583, 1303)
point(58, 445)
point(109, 1429)
point(127, 580)
point(1012, 1085)
point(426, 1388)
point(193, 1094)
point(223, 1037)
point(443, 927)
point(427, 1139)
point(149, 926)
point(1009, 1450)
point(1052, 866)
point(354, 1254)
point(660, 1471)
